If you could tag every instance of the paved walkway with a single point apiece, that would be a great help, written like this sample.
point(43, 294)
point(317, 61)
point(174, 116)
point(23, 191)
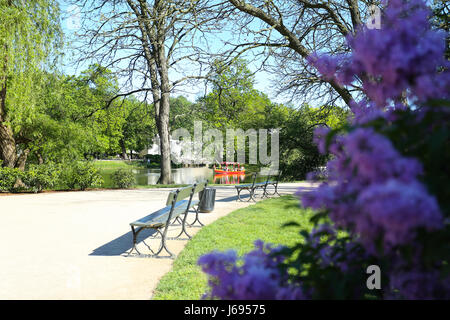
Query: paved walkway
point(73, 245)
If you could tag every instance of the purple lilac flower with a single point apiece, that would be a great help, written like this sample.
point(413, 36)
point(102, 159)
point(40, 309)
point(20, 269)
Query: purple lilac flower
point(319, 199)
point(395, 210)
point(400, 60)
point(366, 111)
point(220, 266)
point(258, 278)
point(329, 66)
point(403, 55)
point(363, 157)
point(218, 263)
point(373, 190)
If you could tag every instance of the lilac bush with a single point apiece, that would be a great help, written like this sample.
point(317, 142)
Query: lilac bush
point(386, 200)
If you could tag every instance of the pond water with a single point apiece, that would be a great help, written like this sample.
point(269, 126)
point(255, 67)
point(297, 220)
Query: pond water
point(182, 176)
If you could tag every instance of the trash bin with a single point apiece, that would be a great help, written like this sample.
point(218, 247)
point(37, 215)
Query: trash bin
point(207, 200)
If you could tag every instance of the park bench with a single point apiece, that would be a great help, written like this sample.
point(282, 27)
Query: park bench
point(274, 183)
point(252, 187)
point(178, 204)
point(247, 187)
point(264, 185)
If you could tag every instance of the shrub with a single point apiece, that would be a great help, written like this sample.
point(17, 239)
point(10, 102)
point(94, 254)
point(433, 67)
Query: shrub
point(82, 175)
point(73, 175)
point(123, 178)
point(8, 178)
point(40, 177)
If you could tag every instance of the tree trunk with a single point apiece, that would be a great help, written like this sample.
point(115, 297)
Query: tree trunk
point(153, 30)
point(164, 141)
point(124, 150)
point(7, 147)
point(164, 110)
point(7, 143)
point(20, 164)
point(22, 160)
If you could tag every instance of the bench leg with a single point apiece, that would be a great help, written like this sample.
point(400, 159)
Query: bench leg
point(238, 194)
point(161, 247)
point(135, 234)
point(275, 186)
point(196, 219)
point(276, 189)
point(177, 219)
point(251, 191)
point(183, 228)
point(252, 194)
point(134, 240)
point(163, 244)
point(265, 193)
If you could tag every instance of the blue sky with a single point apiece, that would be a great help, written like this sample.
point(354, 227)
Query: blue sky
point(69, 25)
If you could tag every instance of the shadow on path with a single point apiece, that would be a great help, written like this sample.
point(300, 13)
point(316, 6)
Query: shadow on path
point(121, 244)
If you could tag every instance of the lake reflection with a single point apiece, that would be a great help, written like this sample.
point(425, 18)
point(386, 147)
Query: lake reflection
point(179, 175)
point(183, 176)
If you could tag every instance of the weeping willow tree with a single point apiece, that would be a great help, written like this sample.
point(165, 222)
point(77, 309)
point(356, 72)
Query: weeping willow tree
point(29, 37)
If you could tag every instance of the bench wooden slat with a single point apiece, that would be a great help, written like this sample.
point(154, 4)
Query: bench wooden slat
point(244, 186)
point(154, 218)
point(181, 206)
point(183, 193)
point(200, 186)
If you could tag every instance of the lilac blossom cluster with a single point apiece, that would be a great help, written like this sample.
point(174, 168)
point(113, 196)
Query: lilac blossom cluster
point(394, 62)
point(258, 278)
point(374, 192)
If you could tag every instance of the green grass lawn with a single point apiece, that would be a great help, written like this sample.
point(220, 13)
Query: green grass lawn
point(117, 164)
point(238, 230)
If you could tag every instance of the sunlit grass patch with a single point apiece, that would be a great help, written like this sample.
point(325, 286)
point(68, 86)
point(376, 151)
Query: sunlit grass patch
point(238, 231)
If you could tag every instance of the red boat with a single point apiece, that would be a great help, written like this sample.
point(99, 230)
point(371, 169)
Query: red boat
point(229, 178)
point(229, 168)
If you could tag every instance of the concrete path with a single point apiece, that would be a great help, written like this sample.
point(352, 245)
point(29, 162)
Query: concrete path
point(73, 245)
